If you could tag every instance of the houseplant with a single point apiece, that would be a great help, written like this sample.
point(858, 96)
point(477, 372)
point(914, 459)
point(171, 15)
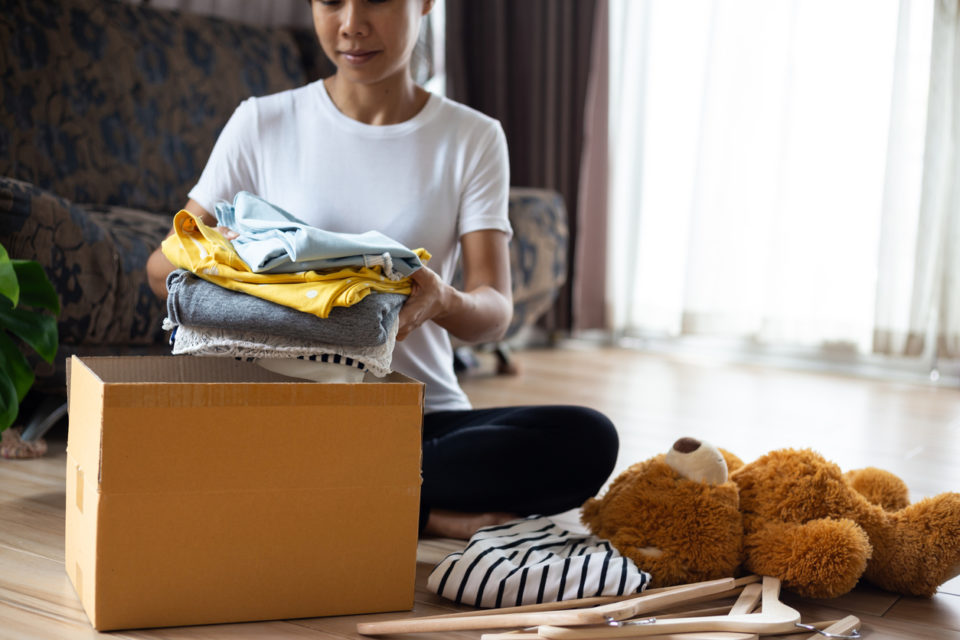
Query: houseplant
point(28, 305)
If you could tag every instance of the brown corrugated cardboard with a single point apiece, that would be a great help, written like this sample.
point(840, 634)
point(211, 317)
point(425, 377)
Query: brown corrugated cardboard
point(206, 490)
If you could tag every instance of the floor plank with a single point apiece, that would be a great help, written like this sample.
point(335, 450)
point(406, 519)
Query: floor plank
point(286, 630)
point(38, 589)
point(944, 610)
point(865, 600)
point(20, 622)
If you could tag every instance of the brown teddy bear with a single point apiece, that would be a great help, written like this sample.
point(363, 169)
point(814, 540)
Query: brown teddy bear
point(803, 521)
point(675, 515)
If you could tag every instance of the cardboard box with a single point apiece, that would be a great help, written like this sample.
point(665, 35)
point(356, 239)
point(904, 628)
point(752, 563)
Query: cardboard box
point(207, 490)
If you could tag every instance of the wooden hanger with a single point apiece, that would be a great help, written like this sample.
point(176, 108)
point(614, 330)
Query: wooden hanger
point(845, 628)
point(693, 635)
point(638, 605)
point(579, 603)
point(774, 617)
point(746, 602)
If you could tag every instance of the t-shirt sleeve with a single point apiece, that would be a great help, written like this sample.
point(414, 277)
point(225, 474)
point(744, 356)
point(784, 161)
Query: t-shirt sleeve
point(231, 166)
point(483, 204)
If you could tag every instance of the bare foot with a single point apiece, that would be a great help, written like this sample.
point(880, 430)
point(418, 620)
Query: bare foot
point(454, 524)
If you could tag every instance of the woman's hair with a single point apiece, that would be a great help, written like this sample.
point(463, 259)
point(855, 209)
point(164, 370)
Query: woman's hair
point(422, 65)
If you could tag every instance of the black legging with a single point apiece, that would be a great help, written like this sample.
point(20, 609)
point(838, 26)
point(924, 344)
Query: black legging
point(523, 460)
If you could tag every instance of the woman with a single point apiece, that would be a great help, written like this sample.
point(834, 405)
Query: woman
point(367, 149)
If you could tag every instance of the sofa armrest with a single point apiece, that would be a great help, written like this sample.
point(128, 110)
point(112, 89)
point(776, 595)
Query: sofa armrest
point(538, 253)
point(96, 259)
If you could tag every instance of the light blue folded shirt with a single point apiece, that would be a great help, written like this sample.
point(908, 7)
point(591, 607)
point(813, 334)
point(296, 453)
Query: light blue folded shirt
point(272, 240)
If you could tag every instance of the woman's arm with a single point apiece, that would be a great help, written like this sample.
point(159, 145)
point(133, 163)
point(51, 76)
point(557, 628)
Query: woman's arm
point(479, 313)
point(158, 267)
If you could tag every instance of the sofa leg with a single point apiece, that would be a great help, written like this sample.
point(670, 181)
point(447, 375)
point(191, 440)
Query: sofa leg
point(50, 411)
point(505, 363)
point(464, 360)
point(28, 442)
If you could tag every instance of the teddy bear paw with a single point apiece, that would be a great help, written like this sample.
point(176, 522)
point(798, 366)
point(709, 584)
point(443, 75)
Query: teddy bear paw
point(817, 559)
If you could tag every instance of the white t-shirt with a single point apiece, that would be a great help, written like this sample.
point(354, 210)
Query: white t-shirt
point(424, 182)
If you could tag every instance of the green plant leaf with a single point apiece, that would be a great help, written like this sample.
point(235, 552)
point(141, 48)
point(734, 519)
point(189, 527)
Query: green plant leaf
point(23, 282)
point(38, 330)
point(14, 365)
point(9, 285)
point(35, 287)
point(9, 405)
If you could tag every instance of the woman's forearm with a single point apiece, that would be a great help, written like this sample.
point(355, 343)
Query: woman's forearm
point(480, 315)
point(158, 268)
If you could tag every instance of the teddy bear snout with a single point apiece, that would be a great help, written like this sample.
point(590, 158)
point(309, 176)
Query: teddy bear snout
point(686, 445)
point(697, 460)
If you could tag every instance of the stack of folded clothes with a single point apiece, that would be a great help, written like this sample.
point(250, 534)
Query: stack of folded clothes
point(295, 299)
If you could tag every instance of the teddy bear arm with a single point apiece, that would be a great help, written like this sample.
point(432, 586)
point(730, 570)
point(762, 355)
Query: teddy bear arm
point(676, 555)
point(665, 566)
point(819, 559)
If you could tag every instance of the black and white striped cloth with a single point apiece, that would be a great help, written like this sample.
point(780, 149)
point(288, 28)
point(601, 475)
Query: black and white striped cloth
point(331, 358)
point(530, 561)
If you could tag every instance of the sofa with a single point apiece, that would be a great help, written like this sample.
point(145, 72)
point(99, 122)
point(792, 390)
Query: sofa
point(109, 111)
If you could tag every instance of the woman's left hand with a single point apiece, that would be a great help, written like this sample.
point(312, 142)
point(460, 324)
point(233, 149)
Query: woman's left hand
point(426, 301)
point(481, 311)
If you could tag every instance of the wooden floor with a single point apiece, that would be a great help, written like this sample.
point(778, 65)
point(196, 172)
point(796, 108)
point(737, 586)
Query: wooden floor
point(911, 430)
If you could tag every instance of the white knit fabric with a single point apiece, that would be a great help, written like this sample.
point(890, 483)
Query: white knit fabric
point(248, 344)
point(347, 370)
point(530, 561)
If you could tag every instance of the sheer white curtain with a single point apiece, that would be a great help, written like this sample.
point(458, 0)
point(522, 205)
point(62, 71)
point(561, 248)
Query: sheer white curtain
point(759, 151)
point(918, 293)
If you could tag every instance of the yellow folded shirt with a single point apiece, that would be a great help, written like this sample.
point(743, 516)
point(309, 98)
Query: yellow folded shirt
point(204, 251)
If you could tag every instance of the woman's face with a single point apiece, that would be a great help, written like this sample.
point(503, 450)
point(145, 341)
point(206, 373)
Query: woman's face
point(369, 40)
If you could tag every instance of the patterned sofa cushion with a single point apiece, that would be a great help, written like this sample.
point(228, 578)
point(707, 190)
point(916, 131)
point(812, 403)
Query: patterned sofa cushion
point(107, 102)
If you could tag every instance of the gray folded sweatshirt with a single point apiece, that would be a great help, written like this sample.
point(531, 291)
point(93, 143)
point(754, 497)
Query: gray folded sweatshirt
point(196, 302)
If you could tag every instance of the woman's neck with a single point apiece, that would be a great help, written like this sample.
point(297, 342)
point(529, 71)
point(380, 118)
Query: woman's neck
point(382, 103)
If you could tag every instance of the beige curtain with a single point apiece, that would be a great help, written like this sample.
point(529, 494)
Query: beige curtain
point(589, 263)
point(918, 289)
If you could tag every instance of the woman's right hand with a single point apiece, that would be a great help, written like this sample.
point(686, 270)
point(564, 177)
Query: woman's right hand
point(158, 267)
point(227, 233)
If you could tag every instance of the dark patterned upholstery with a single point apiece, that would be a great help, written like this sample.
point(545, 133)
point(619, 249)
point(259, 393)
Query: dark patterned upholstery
point(116, 104)
point(538, 253)
point(108, 112)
